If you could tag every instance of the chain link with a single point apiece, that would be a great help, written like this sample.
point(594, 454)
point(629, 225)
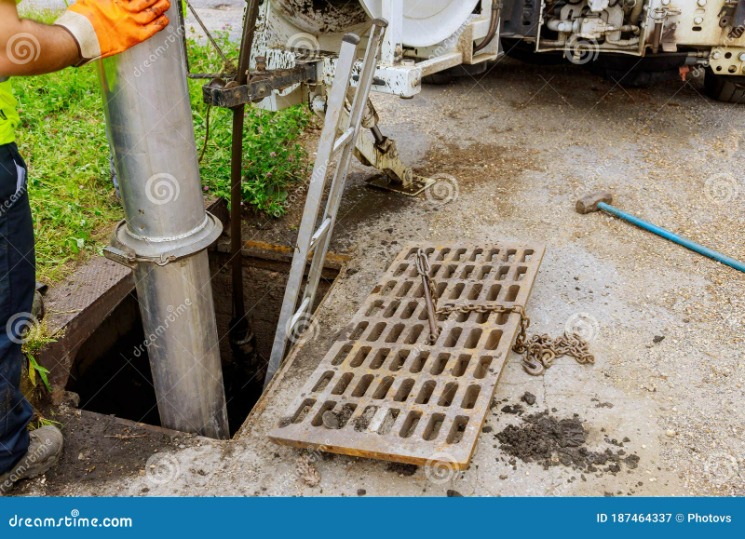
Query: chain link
point(540, 351)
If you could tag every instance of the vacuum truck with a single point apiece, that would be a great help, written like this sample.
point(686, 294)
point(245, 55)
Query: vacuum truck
point(642, 40)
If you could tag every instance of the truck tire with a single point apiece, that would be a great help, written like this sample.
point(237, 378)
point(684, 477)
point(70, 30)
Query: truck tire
point(724, 87)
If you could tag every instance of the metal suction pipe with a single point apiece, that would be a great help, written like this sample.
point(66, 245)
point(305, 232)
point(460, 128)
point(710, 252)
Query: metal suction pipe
point(167, 230)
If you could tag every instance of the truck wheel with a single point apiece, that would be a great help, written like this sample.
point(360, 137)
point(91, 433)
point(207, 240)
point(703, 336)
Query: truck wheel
point(725, 88)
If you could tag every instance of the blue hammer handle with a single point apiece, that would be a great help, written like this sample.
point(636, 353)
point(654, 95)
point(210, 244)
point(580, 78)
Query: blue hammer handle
point(688, 244)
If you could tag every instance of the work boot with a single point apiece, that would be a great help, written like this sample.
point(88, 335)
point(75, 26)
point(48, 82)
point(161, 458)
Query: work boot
point(44, 450)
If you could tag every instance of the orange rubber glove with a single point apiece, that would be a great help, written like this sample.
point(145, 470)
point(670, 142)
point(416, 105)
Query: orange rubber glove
point(104, 28)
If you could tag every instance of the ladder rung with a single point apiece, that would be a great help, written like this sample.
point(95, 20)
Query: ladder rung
point(320, 233)
point(298, 315)
point(343, 140)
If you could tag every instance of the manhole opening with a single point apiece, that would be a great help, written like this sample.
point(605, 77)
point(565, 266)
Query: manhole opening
point(111, 371)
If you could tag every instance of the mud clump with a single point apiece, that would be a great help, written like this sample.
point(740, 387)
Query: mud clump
point(552, 441)
point(517, 409)
point(337, 420)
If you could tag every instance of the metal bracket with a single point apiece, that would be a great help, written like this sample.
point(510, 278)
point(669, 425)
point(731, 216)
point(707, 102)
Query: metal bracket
point(261, 84)
point(128, 250)
point(396, 175)
point(727, 60)
point(379, 152)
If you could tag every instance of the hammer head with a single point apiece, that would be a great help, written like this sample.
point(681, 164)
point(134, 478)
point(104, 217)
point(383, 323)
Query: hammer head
point(590, 203)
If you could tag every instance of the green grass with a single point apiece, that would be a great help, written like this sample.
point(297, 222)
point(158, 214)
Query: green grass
point(273, 157)
point(63, 139)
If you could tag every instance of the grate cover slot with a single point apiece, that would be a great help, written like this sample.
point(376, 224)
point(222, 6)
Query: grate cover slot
point(382, 391)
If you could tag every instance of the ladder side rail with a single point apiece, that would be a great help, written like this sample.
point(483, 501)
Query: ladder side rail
point(355, 115)
point(337, 96)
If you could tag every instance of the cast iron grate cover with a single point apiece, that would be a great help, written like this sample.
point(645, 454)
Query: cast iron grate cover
point(383, 391)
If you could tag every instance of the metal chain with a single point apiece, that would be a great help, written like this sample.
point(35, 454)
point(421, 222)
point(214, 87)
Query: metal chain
point(539, 350)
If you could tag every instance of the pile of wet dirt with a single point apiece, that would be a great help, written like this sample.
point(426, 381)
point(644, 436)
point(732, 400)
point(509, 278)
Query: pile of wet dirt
point(552, 441)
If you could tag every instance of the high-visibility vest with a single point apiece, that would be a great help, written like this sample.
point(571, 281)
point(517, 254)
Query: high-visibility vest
point(9, 118)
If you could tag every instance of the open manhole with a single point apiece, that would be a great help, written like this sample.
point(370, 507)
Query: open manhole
point(111, 370)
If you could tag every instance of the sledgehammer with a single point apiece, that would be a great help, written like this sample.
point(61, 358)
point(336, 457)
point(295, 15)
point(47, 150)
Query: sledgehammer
point(603, 200)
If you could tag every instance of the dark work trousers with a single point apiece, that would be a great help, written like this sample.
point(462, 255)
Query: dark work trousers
point(17, 286)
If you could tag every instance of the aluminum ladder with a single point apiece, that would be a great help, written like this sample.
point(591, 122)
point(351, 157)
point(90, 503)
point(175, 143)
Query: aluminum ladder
point(330, 148)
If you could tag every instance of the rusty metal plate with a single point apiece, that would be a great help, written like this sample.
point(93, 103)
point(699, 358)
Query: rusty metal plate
point(383, 391)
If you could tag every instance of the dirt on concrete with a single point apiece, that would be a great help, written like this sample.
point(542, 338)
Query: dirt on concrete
point(102, 449)
point(554, 441)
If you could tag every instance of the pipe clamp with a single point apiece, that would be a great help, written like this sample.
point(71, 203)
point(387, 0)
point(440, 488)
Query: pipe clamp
point(129, 250)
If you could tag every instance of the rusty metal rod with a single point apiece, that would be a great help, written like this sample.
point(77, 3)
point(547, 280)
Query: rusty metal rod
point(239, 330)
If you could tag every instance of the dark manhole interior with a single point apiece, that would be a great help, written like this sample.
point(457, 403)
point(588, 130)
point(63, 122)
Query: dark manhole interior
point(111, 371)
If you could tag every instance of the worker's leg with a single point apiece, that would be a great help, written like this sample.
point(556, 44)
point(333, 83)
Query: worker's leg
point(17, 285)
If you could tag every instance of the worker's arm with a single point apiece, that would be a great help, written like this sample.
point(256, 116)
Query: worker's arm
point(30, 48)
point(89, 29)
